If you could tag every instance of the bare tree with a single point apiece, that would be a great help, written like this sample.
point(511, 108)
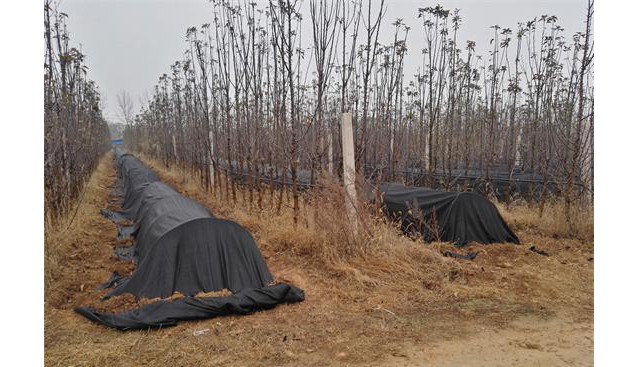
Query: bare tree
point(241, 100)
point(75, 132)
point(371, 27)
point(324, 26)
point(125, 107)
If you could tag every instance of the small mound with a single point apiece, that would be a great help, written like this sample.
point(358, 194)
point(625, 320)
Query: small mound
point(457, 217)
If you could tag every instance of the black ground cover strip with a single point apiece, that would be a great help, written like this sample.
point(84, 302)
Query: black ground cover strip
point(180, 247)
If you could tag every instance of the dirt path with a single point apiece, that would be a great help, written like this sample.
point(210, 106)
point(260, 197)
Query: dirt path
point(508, 307)
point(528, 341)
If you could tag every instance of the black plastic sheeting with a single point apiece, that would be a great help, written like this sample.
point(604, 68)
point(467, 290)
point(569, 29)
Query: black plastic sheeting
point(457, 217)
point(502, 182)
point(180, 247)
point(168, 313)
point(540, 252)
point(469, 256)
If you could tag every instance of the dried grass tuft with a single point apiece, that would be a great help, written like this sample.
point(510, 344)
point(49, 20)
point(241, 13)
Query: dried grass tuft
point(552, 222)
point(117, 304)
point(220, 293)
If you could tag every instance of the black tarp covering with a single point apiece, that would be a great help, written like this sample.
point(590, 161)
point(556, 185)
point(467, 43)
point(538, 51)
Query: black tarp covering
point(180, 247)
point(457, 217)
point(167, 313)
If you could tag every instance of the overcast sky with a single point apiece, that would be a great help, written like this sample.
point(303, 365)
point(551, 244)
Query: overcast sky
point(130, 43)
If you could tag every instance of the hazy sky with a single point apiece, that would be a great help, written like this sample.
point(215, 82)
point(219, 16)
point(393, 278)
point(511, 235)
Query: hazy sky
point(130, 43)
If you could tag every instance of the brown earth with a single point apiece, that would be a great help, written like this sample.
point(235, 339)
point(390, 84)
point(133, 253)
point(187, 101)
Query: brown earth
point(402, 303)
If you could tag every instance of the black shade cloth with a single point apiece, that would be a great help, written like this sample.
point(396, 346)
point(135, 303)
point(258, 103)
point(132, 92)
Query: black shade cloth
point(457, 217)
point(113, 281)
point(114, 217)
point(200, 255)
point(540, 252)
point(125, 253)
point(180, 247)
point(469, 256)
point(125, 232)
point(165, 313)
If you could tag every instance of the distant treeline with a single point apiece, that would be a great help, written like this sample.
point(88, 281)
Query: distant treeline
point(75, 133)
point(250, 93)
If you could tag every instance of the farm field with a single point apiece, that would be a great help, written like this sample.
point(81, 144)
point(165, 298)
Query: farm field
point(320, 183)
point(396, 302)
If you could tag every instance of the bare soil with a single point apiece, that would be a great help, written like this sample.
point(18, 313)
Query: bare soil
point(527, 341)
point(402, 305)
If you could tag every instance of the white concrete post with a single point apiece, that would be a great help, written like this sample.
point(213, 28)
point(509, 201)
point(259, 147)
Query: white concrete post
point(517, 148)
point(175, 148)
point(349, 169)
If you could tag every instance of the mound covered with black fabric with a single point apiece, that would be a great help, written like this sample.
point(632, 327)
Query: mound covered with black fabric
point(180, 247)
point(457, 217)
point(200, 255)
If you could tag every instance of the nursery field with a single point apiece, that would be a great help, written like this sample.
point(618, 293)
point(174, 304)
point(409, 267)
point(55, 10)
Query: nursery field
point(389, 300)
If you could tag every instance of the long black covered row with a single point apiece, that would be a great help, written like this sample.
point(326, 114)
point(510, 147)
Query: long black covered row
point(180, 247)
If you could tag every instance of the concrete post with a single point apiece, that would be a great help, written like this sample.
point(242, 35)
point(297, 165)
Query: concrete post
point(349, 169)
point(175, 148)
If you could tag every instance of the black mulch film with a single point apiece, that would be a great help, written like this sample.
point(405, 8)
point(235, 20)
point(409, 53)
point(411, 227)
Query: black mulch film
point(456, 217)
point(180, 247)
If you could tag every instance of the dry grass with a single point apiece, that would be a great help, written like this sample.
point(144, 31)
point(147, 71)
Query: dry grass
point(367, 295)
point(552, 222)
point(72, 245)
